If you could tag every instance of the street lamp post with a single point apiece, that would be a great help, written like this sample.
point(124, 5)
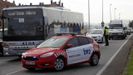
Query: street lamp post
point(114, 13)
point(88, 15)
point(119, 16)
point(110, 13)
point(102, 23)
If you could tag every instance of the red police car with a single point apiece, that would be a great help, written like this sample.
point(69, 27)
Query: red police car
point(60, 51)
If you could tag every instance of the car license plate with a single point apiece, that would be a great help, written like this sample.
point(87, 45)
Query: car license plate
point(30, 62)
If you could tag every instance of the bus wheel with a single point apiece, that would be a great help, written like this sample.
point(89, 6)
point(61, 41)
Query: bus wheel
point(1, 54)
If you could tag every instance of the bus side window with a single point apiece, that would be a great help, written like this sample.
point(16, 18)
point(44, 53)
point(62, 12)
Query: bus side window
point(0, 34)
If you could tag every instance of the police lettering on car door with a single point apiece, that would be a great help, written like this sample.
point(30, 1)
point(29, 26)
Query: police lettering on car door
point(81, 50)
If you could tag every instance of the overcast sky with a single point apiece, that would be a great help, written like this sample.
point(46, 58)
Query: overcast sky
point(124, 7)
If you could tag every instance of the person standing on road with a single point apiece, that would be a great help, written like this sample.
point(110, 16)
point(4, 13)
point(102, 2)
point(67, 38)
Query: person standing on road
point(106, 36)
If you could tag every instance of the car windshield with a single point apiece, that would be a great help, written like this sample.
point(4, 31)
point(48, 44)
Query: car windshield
point(96, 32)
point(115, 26)
point(53, 43)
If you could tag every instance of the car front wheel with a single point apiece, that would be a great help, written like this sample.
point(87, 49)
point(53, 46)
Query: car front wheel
point(59, 64)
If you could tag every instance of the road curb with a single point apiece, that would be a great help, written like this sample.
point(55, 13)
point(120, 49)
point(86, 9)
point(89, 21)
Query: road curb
point(117, 62)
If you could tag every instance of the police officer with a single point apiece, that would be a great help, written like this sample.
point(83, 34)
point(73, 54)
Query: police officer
point(106, 36)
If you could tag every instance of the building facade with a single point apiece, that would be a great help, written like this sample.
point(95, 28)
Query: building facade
point(5, 4)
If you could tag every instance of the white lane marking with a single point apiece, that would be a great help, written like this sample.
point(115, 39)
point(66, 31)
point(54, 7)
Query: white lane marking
point(111, 59)
point(14, 72)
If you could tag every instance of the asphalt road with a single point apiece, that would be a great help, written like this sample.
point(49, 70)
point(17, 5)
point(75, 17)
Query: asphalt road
point(12, 65)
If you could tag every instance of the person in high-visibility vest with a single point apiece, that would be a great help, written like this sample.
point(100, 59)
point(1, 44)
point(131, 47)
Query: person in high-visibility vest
point(106, 36)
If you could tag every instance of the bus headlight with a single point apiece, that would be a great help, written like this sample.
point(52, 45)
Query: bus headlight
point(5, 45)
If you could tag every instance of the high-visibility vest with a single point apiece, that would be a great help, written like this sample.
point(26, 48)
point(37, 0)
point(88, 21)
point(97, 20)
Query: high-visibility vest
point(106, 31)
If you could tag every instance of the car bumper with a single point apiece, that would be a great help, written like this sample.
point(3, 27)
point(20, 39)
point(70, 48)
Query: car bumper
point(98, 40)
point(40, 63)
point(118, 35)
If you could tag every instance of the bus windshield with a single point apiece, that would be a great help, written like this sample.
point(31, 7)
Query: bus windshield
point(24, 23)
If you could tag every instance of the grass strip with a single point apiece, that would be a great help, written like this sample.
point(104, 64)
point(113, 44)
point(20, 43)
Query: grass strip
point(129, 68)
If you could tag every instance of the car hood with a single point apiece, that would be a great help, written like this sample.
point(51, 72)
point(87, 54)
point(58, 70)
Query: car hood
point(95, 35)
point(38, 51)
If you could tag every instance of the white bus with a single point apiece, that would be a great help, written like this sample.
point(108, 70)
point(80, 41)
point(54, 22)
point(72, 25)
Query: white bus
point(29, 26)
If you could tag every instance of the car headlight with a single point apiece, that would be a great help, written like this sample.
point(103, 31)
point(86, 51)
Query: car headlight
point(47, 55)
point(23, 54)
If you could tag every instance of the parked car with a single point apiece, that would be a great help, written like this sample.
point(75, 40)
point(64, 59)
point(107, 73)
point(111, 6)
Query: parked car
point(60, 51)
point(129, 31)
point(97, 34)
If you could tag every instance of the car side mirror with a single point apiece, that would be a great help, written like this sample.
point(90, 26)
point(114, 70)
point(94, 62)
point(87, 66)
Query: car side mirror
point(69, 46)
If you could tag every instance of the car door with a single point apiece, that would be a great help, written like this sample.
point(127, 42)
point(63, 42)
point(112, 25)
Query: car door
point(86, 48)
point(74, 53)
